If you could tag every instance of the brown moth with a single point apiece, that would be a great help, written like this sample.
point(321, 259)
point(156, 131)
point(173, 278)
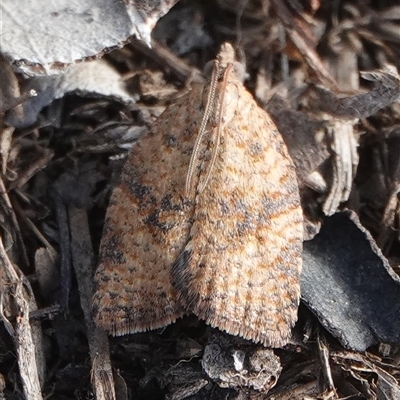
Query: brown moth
point(206, 219)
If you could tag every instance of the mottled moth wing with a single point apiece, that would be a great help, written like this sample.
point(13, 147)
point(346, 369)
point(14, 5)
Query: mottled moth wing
point(240, 269)
point(147, 226)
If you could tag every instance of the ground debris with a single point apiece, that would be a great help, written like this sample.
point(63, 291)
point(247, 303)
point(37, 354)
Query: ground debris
point(233, 366)
point(327, 74)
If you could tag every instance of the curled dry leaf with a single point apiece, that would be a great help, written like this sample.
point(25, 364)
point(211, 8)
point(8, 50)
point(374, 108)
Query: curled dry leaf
point(95, 78)
point(341, 134)
point(344, 114)
point(344, 165)
point(385, 91)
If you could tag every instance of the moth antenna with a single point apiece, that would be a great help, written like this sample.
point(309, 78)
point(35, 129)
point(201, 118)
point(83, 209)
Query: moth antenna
point(218, 135)
point(206, 117)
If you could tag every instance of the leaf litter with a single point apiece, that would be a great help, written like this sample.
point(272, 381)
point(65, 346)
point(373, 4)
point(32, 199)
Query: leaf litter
point(44, 38)
point(328, 76)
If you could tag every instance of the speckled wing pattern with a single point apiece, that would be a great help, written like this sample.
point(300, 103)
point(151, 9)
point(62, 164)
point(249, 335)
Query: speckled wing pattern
point(231, 252)
point(147, 226)
point(240, 270)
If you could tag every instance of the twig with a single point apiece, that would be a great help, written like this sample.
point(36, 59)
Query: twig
point(33, 169)
point(326, 368)
point(65, 251)
point(169, 61)
point(83, 262)
point(21, 332)
point(18, 251)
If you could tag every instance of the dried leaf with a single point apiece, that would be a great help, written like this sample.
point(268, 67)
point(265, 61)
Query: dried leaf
point(344, 165)
point(95, 78)
point(43, 37)
point(386, 90)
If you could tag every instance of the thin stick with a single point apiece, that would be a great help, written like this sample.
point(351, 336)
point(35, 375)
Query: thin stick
point(21, 331)
point(83, 262)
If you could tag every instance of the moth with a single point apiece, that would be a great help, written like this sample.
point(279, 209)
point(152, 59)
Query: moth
point(206, 219)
